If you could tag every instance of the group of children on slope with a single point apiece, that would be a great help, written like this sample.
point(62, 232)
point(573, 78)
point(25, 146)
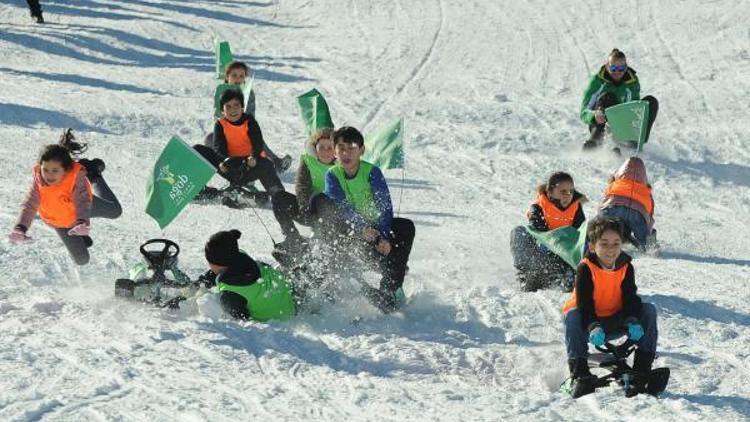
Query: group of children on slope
point(347, 203)
point(604, 303)
point(604, 299)
point(345, 199)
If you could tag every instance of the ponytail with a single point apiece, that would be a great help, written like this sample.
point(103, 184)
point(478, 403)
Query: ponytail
point(63, 151)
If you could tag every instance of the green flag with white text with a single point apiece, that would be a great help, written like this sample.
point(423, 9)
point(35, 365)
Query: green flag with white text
point(385, 147)
point(223, 57)
point(314, 111)
point(566, 242)
point(178, 175)
point(628, 122)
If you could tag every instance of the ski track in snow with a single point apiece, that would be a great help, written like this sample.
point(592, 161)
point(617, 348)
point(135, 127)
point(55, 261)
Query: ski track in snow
point(490, 92)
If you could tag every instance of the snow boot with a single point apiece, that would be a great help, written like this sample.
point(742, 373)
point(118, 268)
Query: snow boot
point(94, 167)
point(597, 135)
point(641, 369)
point(282, 164)
point(645, 379)
point(582, 382)
point(207, 193)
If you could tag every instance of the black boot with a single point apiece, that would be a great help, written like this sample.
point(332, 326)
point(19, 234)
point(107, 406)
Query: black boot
point(641, 370)
point(94, 167)
point(582, 382)
point(579, 368)
point(597, 134)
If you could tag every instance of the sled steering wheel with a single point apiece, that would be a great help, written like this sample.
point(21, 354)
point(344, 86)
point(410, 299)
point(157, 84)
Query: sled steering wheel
point(157, 258)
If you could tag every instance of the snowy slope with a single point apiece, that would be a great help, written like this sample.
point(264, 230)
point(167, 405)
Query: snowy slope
point(490, 92)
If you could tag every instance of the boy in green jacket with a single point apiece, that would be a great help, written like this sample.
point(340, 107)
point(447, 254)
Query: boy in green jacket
point(249, 290)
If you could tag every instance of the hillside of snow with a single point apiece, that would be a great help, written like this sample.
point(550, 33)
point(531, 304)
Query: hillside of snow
point(489, 90)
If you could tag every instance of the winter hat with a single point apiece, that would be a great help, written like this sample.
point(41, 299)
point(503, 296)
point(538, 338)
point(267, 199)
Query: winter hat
point(632, 169)
point(222, 247)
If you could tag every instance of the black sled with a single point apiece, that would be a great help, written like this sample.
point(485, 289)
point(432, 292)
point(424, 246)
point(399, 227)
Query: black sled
point(148, 281)
point(613, 358)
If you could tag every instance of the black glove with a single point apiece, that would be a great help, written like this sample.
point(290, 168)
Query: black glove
point(208, 279)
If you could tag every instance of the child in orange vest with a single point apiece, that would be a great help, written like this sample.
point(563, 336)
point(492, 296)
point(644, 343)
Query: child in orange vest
point(236, 74)
point(558, 204)
point(61, 194)
point(605, 302)
point(628, 197)
point(238, 139)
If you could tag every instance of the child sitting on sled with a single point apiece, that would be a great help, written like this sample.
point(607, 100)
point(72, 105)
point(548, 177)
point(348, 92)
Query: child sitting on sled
point(235, 77)
point(604, 303)
point(557, 205)
point(628, 197)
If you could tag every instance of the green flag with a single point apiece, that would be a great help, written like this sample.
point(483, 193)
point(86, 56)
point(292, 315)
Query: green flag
point(223, 57)
point(565, 242)
point(314, 111)
point(385, 147)
point(249, 96)
point(628, 122)
point(178, 175)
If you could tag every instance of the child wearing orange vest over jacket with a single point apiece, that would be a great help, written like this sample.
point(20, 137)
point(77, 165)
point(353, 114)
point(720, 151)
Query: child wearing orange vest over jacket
point(628, 197)
point(235, 74)
point(605, 302)
point(238, 140)
point(557, 205)
point(65, 194)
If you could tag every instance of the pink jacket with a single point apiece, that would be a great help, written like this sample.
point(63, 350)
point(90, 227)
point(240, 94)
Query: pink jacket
point(30, 204)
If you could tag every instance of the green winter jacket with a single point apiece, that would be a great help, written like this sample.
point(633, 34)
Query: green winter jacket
point(628, 89)
point(266, 292)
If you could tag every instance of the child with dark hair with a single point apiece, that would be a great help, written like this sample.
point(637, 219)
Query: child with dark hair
point(61, 194)
point(605, 303)
point(239, 151)
point(235, 76)
point(356, 214)
point(628, 197)
point(614, 83)
point(249, 290)
point(557, 205)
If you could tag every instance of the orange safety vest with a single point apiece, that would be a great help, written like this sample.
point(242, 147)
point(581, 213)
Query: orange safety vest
point(555, 217)
point(607, 290)
point(631, 189)
point(56, 204)
point(239, 143)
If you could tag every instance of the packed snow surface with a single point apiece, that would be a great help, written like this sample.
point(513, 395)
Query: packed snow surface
point(489, 90)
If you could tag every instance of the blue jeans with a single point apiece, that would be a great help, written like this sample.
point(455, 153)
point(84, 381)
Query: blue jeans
point(633, 221)
point(577, 336)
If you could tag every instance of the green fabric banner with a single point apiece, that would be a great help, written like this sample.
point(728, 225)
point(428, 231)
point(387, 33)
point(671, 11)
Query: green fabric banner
point(565, 242)
point(178, 175)
point(314, 111)
point(385, 147)
point(628, 122)
point(223, 57)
